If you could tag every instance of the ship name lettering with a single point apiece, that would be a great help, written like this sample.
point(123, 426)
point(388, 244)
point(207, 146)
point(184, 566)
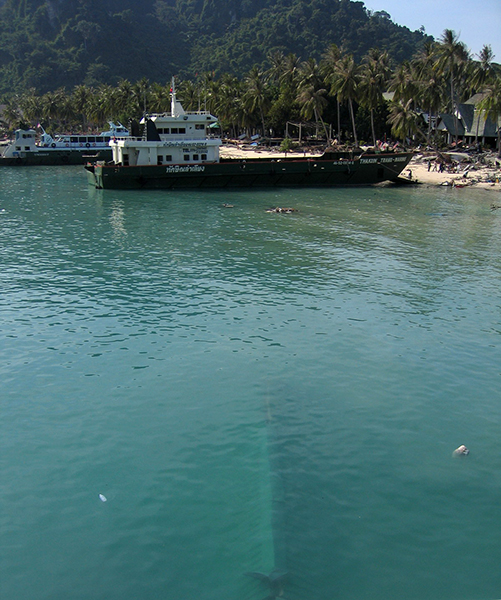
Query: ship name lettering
point(185, 169)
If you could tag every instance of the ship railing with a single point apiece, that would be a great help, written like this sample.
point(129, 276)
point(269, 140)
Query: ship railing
point(197, 112)
point(186, 112)
point(126, 138)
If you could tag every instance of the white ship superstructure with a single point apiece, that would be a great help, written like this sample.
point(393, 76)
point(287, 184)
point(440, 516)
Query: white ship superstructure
point(179, 139)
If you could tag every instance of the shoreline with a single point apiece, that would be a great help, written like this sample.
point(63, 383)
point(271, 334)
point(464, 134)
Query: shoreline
point(479, 176)
point(466, 175)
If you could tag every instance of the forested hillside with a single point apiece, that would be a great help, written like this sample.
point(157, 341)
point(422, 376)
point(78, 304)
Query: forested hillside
point(48, 44)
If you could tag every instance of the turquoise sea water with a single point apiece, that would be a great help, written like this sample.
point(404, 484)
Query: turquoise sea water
point(250, 392)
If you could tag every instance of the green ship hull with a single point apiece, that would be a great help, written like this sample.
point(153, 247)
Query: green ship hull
point(331, 169)
point(52, 157)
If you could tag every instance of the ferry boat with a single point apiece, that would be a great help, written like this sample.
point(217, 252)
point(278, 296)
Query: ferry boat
point(176, 151)
point(72, 149)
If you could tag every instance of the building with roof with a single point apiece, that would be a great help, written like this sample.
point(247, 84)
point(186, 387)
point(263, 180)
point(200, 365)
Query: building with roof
point(469, 124)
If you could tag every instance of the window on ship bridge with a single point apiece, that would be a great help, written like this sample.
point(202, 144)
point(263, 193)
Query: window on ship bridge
point(186, 157)
point(168, 158)
point(195, 157)
point(160, 159)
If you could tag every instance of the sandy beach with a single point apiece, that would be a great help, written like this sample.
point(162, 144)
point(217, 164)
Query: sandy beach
point(235, 150)
point(460, 169)
point(465, 171)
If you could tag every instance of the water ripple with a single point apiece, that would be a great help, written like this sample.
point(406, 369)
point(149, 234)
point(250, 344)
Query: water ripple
point(248, 391)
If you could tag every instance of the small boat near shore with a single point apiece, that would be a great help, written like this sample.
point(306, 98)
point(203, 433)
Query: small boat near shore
point(71, 149)
point(176, 151)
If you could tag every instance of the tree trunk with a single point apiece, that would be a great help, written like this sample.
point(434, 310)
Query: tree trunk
point(338, 121)
point(454, 111)
point(262, 120)
point(350, 104)
point(429, 127)
point(325, 131)
point(316, 122)
point(372, 128)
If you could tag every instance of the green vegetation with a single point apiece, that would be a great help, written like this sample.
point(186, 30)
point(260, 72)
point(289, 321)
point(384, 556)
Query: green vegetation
point(261, 66)
point(49, 44)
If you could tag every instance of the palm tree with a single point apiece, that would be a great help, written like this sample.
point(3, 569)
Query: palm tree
point(403, 120)
point(229, 107)
point(11, 114)
point(491, 104)
point(313, 103)
point(30, 105)
point(159, 98)
point(309, 73)
point(345, 86)
point(428, 83)
point(208, 89)
point(403, 83)
point(190, 94)
point(101, 105)
point(66, 113)
point(328, 66)
point(54, 106)
point(311, 95)
point(80, 102)
point(423, 70)
point(374, 75)
point(256, 98)
point(140, 92)
point(283, 77)
point(452, 56)
point(290, 74)
point(484, 70)
point(431, 94)
point(124, 100)
point(277, 68)
point(424, 60)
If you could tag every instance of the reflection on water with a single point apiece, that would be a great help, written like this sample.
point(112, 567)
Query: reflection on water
point(117, 221)
point(268, 402)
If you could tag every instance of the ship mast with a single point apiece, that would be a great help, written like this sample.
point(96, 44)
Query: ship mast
point(172, 98)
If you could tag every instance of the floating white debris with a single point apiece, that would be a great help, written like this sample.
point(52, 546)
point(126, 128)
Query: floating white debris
point(461, 451)
point(102, 498)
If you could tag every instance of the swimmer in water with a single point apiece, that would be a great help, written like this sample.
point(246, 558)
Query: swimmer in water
point(461, 451)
